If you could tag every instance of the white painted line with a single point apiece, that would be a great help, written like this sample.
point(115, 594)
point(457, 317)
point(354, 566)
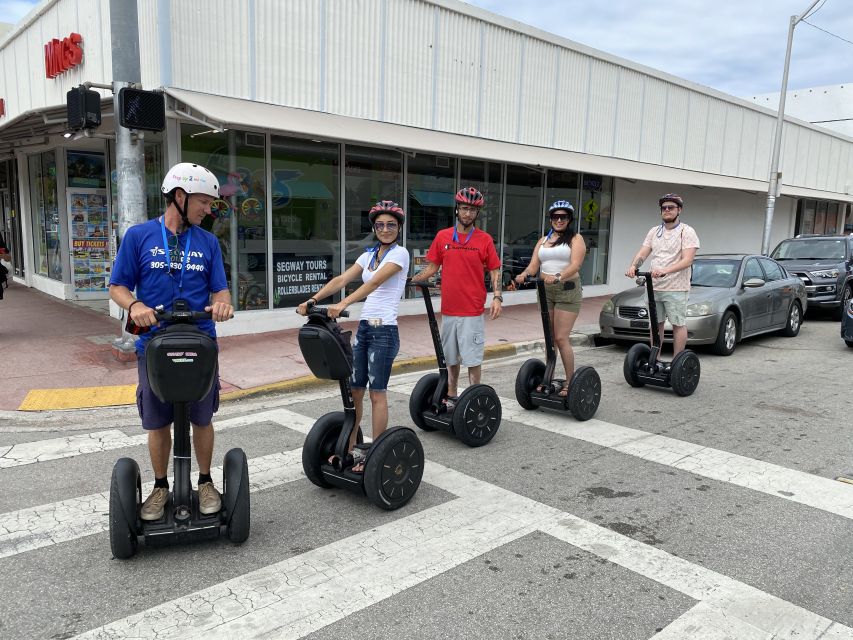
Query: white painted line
point(789, 484)
point(98, 441)
point(49, 524)
point(704, 622)
point(300, 595)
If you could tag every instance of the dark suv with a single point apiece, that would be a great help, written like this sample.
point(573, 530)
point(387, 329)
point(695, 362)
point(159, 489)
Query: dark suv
point(824, 264)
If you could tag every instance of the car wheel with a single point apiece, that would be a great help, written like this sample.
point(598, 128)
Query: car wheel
point(727, 335)
point(845, 300)
point(795, 320)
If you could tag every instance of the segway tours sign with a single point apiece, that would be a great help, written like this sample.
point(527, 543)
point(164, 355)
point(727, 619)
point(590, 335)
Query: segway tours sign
point(62, 55)
point(300, 276)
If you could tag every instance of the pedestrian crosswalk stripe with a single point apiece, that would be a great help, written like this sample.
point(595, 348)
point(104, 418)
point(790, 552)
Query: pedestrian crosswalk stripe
point(765, 477)
point(304, 593)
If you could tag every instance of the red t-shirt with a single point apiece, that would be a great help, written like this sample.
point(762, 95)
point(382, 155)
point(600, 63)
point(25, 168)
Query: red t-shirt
point(463, 290)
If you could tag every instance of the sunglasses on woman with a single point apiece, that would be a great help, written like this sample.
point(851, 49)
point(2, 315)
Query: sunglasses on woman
point(382, 226)
point(559, 218)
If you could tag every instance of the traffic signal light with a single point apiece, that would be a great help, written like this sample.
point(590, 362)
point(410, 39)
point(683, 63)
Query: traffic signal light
point(138, 109)
point(83, 108)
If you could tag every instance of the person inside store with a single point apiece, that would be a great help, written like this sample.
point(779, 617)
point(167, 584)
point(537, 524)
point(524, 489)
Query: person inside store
point(463, 253)
point(382, 270)
point(164, 259)
point(672, 246)
point(557, 259)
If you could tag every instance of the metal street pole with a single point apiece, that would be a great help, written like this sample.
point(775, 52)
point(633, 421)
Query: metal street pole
point(775, 176)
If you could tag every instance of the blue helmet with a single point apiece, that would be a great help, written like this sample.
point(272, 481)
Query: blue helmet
point(561, 204)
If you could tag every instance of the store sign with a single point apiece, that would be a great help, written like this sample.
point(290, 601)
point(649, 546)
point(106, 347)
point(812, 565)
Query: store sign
point(296, 275)
point(62, 55)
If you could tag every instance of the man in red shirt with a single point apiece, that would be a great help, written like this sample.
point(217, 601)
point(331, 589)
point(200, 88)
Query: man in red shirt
point(463, 253)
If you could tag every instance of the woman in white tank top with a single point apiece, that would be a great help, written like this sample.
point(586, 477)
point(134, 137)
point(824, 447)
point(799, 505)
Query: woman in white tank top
point(557, 258)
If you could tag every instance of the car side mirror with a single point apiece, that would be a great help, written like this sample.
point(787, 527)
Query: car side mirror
point(753, 283)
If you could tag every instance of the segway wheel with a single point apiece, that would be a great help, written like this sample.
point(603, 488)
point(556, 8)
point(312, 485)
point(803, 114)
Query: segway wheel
point(320, 445)
point(125, 499)
point(584, 393)
point(684, 377)
point(421, 399)
point(849, 343)
point(394, 469)
point(235, 472)
point(637, 356)
point(477, 415)
point(529, 377)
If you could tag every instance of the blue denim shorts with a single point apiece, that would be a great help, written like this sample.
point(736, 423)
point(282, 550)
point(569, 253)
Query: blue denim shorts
point(373, 354)
point(156, 414)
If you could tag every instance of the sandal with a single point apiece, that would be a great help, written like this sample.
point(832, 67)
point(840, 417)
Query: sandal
point(564, 392)
point(359, 457)
point(450, 403)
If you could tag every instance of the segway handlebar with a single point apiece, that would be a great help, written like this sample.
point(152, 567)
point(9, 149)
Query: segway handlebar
point(423, 286)
point(323, 311)
point(181, 313)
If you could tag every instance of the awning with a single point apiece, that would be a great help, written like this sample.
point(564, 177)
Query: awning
point(224, 112)
point(34, 128)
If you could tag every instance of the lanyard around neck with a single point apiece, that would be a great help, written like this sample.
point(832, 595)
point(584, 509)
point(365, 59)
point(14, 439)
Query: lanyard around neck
point(467, 238)
point(169, 256)
point(662, 227)
point(375, 252)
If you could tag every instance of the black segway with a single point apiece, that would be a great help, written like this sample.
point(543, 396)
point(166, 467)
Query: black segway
point(847, 324)
point(181, 363)
point(477, 415)
point(641, 366)
point(536, 386)
point(393, 464)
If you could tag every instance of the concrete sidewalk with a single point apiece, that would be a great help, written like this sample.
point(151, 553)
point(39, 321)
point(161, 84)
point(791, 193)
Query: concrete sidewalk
point(58, 355)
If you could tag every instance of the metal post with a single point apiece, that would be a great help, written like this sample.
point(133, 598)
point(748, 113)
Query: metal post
point(774, 186)
point(130, 164)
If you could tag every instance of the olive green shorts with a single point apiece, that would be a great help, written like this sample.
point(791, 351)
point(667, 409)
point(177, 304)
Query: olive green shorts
point(562, 298)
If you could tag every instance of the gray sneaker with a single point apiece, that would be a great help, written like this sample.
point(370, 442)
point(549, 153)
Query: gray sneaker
point(208, 499)
point(152, 508)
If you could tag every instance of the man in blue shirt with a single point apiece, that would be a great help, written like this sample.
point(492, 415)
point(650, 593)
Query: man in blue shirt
point(162, 260)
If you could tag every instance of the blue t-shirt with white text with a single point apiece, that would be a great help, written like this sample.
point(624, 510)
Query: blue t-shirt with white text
point(143, 264)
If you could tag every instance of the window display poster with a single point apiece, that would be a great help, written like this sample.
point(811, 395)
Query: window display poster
point(86, 170)
point(90, 242)
point(297, 276)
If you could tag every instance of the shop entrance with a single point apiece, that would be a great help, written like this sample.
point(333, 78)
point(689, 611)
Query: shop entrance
point(10, 219)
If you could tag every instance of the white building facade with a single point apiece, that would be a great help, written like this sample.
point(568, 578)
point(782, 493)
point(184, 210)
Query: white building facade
point(311, 110)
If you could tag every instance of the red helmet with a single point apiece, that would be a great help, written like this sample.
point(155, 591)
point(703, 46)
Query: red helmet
point(671, 197)
point(387, 206)
point(470, 196)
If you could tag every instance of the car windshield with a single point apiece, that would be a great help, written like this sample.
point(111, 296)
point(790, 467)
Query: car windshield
point(816, 249)
point(715, 273)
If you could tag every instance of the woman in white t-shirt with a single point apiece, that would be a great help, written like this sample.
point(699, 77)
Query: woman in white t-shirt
point(383, 270)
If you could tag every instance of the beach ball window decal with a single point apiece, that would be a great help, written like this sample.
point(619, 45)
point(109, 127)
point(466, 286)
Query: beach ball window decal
point(252, 208)
point(220, 209)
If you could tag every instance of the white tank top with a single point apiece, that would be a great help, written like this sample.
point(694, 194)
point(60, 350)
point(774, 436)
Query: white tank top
point(554, 259)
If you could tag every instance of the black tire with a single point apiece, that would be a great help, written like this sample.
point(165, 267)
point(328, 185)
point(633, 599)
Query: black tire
point(727, 335)
point(125, 499)
point(394, 469)
point(795, 320)
point(421, 399)
point(235, 473)
point(529, 377)
point(584, 393)
point(838, 313)
point(477, 415)
point(636, 356)
point(684, 376)
point(320, 445)
point(849, 343)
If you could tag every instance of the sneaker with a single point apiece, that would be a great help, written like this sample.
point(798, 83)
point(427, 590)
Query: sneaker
point(152, 508)
point(208, 499)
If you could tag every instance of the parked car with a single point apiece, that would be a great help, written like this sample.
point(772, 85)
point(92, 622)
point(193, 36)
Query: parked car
point(847, 325)
point(731, 297)
point(824, 264)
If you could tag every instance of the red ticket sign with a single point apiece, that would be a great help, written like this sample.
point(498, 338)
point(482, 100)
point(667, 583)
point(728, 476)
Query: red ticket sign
point(62, 55)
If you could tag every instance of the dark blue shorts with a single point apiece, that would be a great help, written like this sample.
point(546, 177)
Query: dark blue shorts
point(373, 354)
point(156, 414)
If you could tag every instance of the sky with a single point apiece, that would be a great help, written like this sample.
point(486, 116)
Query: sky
point(734, 46)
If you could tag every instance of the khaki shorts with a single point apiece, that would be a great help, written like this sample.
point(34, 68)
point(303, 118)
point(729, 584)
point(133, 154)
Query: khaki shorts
point(463, 340)
point(672, 306)
point(563, 299)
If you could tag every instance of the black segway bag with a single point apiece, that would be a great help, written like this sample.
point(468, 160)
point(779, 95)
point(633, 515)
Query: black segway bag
point(181, 363)
point(326, 348)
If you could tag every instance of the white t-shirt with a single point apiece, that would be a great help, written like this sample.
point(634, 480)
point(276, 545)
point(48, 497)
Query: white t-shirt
point(667, 245)
point(385, 301)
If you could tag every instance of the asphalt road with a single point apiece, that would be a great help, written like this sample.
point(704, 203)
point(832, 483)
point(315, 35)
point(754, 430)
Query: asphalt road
point(712, 516)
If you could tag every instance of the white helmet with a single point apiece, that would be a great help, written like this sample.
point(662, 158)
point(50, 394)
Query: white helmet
point(192, 178)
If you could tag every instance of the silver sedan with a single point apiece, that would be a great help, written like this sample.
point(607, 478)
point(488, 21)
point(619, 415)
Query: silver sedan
point(732, 296)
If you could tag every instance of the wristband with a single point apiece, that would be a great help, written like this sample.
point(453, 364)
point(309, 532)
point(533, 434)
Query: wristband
point(313, 302)
point(498, 297)
point(130, 306)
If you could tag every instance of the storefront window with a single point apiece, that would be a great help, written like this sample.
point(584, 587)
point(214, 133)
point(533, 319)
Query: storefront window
point(817, 216)
point(561, 185)
point(430, 205)
point(594, 215)
point(154, 174)
point(485, 176)
point(522, 220)
point(47, 231)
point(305, 218)
point(371, 175)
point(239, 217)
